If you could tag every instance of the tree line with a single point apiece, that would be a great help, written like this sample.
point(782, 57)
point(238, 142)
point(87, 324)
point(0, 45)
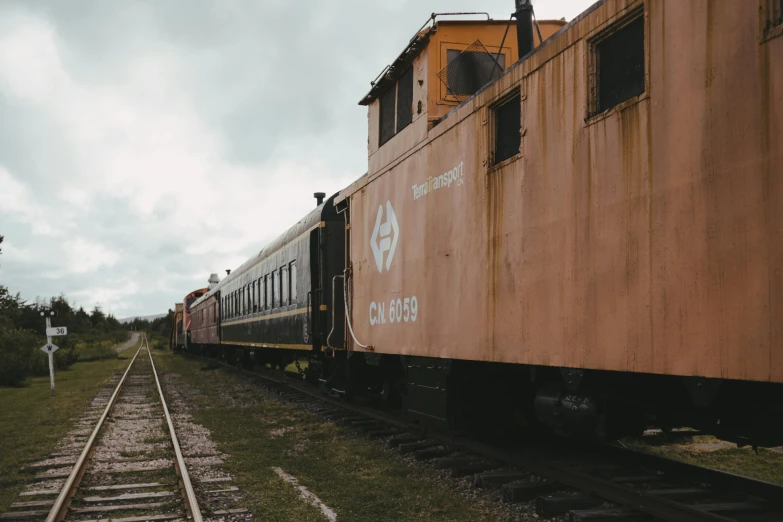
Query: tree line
point(158, 330)
point(90, 336)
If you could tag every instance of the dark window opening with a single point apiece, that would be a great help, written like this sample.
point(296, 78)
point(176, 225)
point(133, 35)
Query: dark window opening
point(508, 137)
point(276, 289)
point(620, 65)
point(775, 13)
point(387, 114)
point(268, 287)
point(292, 272)
point(396, 110)
point(469, 71)
point(405, 99)
point(284, 286)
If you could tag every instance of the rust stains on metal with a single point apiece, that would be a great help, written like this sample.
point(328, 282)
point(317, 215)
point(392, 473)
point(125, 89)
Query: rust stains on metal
point(645, 238)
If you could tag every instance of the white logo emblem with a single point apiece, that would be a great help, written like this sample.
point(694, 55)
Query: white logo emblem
point(388, 233)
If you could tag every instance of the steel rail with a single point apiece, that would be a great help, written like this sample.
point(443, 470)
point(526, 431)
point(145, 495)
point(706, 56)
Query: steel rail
point(63, 502)
point(191, 503)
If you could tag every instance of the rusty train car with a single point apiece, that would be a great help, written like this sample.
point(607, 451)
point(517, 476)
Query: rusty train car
point(183, 320)
point(174, 338)
point(580, 231)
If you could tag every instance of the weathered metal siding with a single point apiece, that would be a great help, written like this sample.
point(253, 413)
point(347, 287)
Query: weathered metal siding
point(717, 212)
point(647, 239)
point(204, 314)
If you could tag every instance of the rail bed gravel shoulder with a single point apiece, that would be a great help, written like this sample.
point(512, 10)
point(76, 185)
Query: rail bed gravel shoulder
point(125, 469)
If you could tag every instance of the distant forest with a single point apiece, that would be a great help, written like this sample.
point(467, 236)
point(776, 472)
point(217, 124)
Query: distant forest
point(159, 329)
point(91, 335)
point(23, 332)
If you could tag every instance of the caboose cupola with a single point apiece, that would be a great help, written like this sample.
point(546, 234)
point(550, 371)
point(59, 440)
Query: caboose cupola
point(444, 64)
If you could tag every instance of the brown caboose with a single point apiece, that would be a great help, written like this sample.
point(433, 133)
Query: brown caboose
point(591, 235)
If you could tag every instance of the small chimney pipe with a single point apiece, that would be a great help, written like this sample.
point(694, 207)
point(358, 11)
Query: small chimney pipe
point(319, 197)
point(524, 16)
point(228, 271)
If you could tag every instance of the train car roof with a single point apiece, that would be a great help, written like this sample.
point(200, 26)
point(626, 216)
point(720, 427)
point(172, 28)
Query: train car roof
point(307, 222)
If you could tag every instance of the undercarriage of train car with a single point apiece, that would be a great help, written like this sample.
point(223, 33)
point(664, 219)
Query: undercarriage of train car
point(509, 401)
point(512, 401)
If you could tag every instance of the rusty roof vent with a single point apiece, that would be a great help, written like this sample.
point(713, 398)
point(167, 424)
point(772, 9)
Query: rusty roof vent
point(470, 70)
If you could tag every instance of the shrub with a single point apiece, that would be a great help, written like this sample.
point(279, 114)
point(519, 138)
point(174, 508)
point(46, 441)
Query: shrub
point(18, 355)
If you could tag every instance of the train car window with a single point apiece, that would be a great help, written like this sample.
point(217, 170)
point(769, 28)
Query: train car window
point(620, 65)
point(292, 273)
point(405, 99)
point(387, 111)
point(254, 303)
point(268, 293)
point(774, 10)
point(284, 285)
point(275, 289)
point(508, 137)
point(396, 107)
point(468, 71)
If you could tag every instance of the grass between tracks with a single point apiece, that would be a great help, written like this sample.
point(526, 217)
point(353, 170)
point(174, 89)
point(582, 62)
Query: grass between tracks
point(32, 422)
point(356, 477)
point(707, 451)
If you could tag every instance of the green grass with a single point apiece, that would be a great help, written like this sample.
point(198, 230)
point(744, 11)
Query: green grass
point(356, 477)
point(765, 465)
point(32, 422)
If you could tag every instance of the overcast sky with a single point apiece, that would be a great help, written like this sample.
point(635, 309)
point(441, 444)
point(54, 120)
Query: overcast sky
point(144, 145)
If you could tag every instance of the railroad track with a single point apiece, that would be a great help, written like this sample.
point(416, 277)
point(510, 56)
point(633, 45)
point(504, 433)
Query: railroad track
point(580, 482)
point(131, 467)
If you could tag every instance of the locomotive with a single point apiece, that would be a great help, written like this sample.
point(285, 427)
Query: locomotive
point(572, 227)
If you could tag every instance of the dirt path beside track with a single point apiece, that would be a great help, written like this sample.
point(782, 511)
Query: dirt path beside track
point(129, 343)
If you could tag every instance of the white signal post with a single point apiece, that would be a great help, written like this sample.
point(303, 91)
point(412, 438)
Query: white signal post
point(50, 348)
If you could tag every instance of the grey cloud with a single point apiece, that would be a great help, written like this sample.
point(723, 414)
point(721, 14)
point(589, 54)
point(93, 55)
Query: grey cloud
point(275, 83)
